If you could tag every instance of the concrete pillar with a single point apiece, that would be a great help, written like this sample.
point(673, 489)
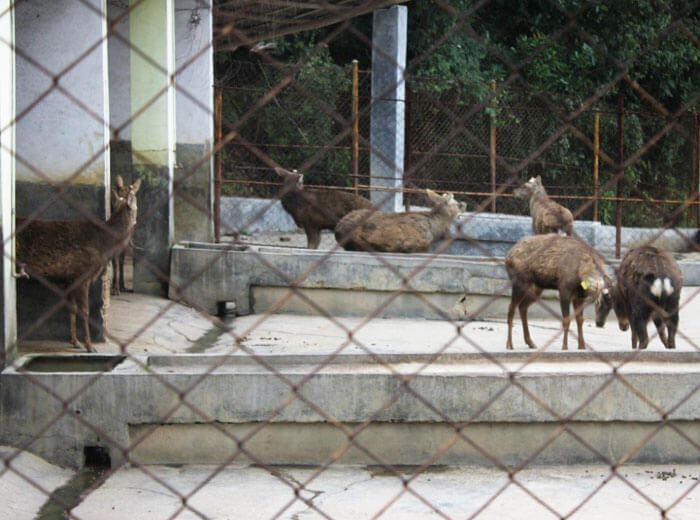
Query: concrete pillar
point(194, 78)
point(8, 323)
point(62, 138)
point(152, 64)
point(388, 105)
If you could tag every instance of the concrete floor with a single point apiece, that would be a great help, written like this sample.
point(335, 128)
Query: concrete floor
point(139, 323)
point(351, 492)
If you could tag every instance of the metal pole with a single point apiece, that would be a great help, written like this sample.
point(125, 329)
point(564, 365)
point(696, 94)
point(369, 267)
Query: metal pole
point(492, 156)
point(218, 125)
point(620, 173)
point(695, 174)
point(355, 126)
point(596, 162)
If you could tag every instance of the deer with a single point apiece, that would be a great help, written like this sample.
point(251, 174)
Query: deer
point(76, 252)
point(313, 209)
point(409, 232)
point(551, 261)
point(649, 283)
point(547, 215)
point(118, 198)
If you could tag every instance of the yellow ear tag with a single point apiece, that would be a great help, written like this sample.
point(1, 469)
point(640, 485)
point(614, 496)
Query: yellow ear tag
point(584, 285)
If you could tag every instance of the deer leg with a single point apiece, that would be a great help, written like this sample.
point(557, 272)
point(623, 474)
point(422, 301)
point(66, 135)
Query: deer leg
point(639, 319)
point(659, 322)
point(564, 304)
point(313, 238)
point(83, 293)
point(531, 295)
point(72, 308)
point(672, 326)
point(517, 294)
point(120, 260)
point(116, 285)
point(578, 311)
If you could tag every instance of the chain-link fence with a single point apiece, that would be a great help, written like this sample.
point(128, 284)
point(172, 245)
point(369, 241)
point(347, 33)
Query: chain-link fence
point(206, 197)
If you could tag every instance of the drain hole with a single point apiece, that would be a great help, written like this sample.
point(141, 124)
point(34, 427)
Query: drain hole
point(224, 309)
point(97, 457)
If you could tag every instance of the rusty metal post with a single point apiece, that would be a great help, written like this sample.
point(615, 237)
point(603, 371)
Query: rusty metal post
point(696, 147)
point(355, 126)
point(218, 179)
point(492, 156)
point(620, 172)
point(596, 162)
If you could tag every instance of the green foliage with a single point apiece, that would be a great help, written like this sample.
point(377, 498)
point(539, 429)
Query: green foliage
point(558, 57)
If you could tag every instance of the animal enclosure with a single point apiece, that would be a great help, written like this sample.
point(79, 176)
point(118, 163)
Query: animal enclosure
point(356, 311)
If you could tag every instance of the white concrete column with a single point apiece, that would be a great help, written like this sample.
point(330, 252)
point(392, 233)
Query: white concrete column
point(194, 78)
point(388, 105)
point(8, 304)
point(152, 33)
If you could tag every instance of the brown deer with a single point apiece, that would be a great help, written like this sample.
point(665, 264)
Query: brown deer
point(314, 209)
point(76, 252)
point(649, 284)
point(118, 199)
point(568, 264)
point(410, 232)
point(547, 215)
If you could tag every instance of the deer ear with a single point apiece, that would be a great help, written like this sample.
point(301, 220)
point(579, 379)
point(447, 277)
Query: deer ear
point(120, 181)
point(136, 185)
point(282, 172)
point(434, 197)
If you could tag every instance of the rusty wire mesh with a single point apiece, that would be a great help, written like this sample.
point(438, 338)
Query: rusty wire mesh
point(280, 114)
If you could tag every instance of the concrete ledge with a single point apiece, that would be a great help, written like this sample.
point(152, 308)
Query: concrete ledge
point(509, 409)
point(343, 283)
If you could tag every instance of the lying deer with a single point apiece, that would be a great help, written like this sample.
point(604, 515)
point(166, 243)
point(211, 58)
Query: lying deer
point(547, 215)
point(314, 209)
point(410, 232)
point(76, 252)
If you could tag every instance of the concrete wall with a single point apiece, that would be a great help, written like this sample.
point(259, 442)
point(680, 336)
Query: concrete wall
point(478, 233)
point(62, 134)
point(126, 405)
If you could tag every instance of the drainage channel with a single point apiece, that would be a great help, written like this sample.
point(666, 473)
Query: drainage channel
point(67, 497)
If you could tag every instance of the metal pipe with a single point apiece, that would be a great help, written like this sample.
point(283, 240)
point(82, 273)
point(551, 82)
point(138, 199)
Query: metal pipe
point(218, 178)
point(492, 156)
point(596, 162)
point(355, 126)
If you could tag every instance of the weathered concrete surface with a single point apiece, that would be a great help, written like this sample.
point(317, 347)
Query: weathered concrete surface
point(26, 481)
point(245, 492)
point(352, 371)
point(257, 278)
point(476, 233)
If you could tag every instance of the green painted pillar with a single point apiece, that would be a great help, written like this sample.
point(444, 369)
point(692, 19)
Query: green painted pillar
point(152, 34)
point(8, 303)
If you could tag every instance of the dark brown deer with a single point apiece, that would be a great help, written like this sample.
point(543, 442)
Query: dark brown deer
point(118, 199)
point(76, 252)
point(649, 284)
point(315, 209)
point(410, 232)
point(547, 215)
point(568, 264)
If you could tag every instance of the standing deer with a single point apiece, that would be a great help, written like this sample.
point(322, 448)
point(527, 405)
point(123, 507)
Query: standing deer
point(76, 252)
point(568, 264)
point(118, 199)
point(649, 284)
point(547, 215)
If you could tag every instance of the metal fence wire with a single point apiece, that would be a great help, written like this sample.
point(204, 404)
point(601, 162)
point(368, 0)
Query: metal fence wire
point(237, 372)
